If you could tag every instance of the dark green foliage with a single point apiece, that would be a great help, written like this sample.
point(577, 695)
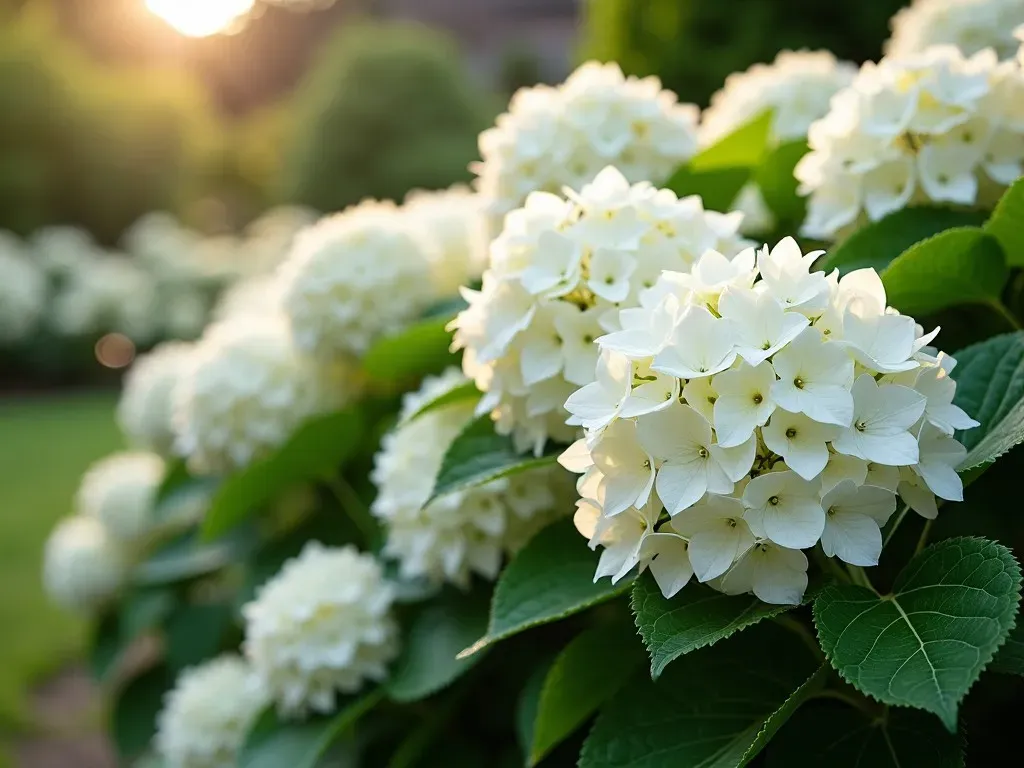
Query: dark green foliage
point(694, 45)
point(385, 109)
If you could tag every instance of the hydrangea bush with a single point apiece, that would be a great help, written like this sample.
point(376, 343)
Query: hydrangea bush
point(641, 492)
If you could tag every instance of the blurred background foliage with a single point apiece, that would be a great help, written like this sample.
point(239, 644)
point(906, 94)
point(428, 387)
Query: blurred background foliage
point(694, 44)
point(385, 108)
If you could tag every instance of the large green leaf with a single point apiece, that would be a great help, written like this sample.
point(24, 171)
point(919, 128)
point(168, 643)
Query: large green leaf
point(133, 720)
point(708, 709)
point(990, 387)
point(924, 645)
point(461, 393)
point(588, 672)
point(188, 556)
point(316, 450)
point(105, 645)
point(958, 266)
point(550, 578)
point(145, 609)
point(1005, 223)
point(479, 455)
point(436, 633)
point(878, 243)
point(775, 179)
point(696, 617)
point(827, 733)
point(273, 743)
point(420, 349)
point(1010, 658)
point(194, 633)
point(743, 148)
point(717, 187)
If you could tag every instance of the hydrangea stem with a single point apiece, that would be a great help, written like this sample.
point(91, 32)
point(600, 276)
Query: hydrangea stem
point(895, 525)
point(1001, 309)
point(923, 539)
point(860, 578)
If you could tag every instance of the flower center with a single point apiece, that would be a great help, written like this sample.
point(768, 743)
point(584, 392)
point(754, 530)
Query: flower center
point(861, 426)
point(774, 501)
point(758, 399)
point(798, 383)
point(703, 452)
point(791, 433)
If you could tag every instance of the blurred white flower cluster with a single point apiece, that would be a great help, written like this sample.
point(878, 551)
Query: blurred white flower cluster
point(22, 290)
point(145, 410)
point(737, 421)
point(562, 136)
point(933, 127)
point(245, 389)
point(162, 284)
point(797, 87)
point(557, 275)
point(353, 277)
point(208, 713)
point(321, 626)
point(88, 555)
point(451, 228)
point(462, 533)
point(970, 25)
point(83, 567)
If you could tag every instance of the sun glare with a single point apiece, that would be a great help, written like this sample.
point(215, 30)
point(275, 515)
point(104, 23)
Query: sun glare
point(200, 18)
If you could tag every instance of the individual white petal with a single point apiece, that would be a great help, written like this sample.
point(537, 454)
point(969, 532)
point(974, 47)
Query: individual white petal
point(814, 377)
point(610, 271)
point(914, 492)
point(853, 538)
point(762, 326)
point(651, 396)
point(702, 345)
point(773, 573)
point(940, 455)
point(627, 468)
point(786, 508)
point(735, 461)
point(576, 458)
point(800, 440)
point(882, 343)
point(842, 467)
point(882, 416)
point(718, 535)
point(700, 394)
point(743, 402)
point(670, 565)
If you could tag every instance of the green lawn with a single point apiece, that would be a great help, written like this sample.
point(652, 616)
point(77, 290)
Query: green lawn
point(45, 444)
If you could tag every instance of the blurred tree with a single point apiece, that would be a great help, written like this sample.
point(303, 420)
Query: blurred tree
point(91, 145)
point(384, 109)
point(694, 44)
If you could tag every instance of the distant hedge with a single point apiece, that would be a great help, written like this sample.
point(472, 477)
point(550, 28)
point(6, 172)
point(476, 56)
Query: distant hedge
point(384, 109)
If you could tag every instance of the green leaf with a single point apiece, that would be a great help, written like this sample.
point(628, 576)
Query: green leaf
point(316, 450)
point(958, 266)
point(176, 474)
point(826, 733)
point(924, 645)
point(717, 188)
point(105, 647)
point(1010, 658)
point(528, 703)
point(273, 743)
point(143, 610)
point(708, 709)
point(133, 721)
point(464, 393)
point(1005, 223)
point(436, 633)
point(990, 388)
point(194, 633)
point(743, 148)
point(188, 556)
point(479, 455)
point(878, 243)
point(774, 177)
point(550, 578)
point(588, 672)
point(696, 617)
point(781, 716)
point(420, 349)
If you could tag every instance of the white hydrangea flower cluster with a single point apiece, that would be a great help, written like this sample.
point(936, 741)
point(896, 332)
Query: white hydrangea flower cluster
point(83, 566)
point(929, 127)
point(245, 390)
point(145, 409)
point(451, 227)
point(462, 533)
point(797, 87)
point(120, 491)
point(970, 25)
point(563, 136)
point(354, 277)
point(207, 715)
point(23, 290)
point(323, 625)
point(737, 421)
point(557, 274)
